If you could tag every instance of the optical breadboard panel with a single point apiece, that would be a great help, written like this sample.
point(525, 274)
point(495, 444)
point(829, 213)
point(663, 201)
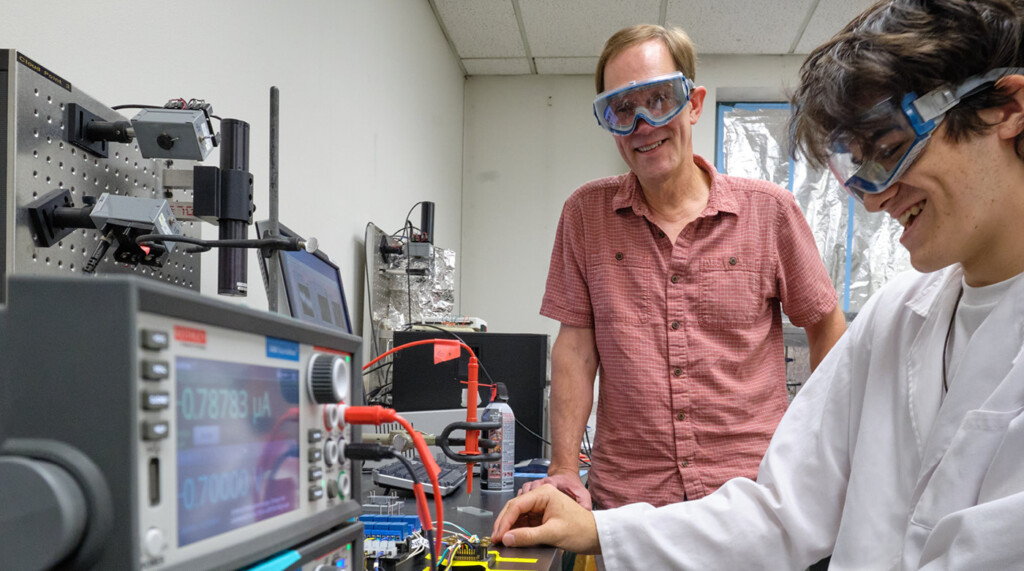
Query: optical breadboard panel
point(36, 158)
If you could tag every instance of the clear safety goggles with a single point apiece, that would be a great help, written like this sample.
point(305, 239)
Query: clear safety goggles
point(893, 135)
point(657, 100)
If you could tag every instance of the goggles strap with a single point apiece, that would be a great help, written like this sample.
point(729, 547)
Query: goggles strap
point(937, 102)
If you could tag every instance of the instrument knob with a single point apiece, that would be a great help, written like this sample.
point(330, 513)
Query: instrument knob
point(329, 377)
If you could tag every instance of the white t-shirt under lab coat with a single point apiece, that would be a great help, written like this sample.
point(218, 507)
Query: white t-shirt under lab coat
point(866, 464)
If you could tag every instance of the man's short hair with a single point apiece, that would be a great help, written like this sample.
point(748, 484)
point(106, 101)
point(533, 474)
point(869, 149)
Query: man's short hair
point(675, 39)
point(902, 46)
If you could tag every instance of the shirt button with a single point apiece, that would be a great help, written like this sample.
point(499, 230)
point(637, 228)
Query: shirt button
point(675, 325)
point(661, 234)
point(675, 278)
point(677, 372)
point(619, 256)
point(732, 261)
point(680, 416)
point(684, 463)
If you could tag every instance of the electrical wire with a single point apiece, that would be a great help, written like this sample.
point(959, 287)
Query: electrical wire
point(590, 447)
point(455, 549)
point(144, 106)
point(482, 369)
point(278, 242)
point(408, 282)
point(457, 526)
point(371, 398)
point(136, 106)
point(377, 367)
point(408, 214)
point(415, 481)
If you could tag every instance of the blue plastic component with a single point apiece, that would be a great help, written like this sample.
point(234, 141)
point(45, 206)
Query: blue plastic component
point(394, 527)
point(279, 563)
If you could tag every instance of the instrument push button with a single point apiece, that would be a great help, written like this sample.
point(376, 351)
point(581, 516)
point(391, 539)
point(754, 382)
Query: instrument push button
point(154, 543)
point(155, 400)
point(315, 435)
point(155, 339)
point(155, 370)
point(155, 430)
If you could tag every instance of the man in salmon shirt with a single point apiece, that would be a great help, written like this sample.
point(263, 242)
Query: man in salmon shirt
point(670, 280)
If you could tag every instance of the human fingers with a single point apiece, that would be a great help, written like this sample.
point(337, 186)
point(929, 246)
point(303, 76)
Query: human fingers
point(512, 514)
point(570, 485)
point(532, 485)
point(553, 519)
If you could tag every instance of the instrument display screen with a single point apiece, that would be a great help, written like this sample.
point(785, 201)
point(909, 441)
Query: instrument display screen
point(238, 445)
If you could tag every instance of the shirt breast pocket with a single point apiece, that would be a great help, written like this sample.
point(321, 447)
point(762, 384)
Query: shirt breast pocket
point(620, 291)
point(964, 476)
point(733, 291)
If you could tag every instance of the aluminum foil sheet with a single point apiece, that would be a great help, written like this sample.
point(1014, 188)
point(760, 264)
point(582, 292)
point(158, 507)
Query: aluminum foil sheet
point(399, 296)
point(755, 143)
point(432, 295)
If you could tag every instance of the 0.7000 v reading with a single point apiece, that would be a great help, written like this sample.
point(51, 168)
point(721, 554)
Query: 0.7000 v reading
point(215, 488)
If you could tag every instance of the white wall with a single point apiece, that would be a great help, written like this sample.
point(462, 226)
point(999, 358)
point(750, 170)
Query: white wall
point(375, 117)
point(532, 140)
point(371, 100)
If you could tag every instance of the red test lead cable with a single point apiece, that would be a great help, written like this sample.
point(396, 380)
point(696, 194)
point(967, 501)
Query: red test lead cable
point(377, 415)
point(472, 392)
point(472, 436)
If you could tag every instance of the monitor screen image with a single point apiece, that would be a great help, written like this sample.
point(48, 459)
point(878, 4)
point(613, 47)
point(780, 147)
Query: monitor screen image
point(314, 290)
point(311, 283)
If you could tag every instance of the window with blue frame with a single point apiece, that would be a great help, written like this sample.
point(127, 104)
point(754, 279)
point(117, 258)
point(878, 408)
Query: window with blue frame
point(861, 251)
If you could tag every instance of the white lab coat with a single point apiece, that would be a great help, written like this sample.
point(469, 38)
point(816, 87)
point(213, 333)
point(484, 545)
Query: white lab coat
point(849, 470)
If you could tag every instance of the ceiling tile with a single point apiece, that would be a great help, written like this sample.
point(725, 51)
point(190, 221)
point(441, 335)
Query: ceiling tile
point(566, 65)
point(574, 28)
point(829, 18)
point(740, 26)
point(497, 66)
point(482, 28)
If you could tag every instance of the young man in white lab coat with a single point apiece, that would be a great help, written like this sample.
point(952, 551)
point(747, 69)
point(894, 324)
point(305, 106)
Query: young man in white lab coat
point(906, 448)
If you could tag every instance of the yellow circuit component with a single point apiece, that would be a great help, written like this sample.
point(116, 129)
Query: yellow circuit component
point(492, 561)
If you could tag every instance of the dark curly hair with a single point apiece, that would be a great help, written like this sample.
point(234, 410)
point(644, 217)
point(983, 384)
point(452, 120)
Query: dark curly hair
point(902, 46)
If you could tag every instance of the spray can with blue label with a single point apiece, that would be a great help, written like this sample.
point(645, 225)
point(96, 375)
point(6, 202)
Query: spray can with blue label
point(499, 476)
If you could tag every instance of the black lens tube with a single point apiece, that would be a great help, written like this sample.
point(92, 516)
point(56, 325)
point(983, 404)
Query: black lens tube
point(232, 264)
point(427, 220)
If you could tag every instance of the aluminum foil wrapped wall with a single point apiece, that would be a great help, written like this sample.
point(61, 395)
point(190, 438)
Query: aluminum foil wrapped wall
point(432, 295)
point(397, 297)
point(755, 143)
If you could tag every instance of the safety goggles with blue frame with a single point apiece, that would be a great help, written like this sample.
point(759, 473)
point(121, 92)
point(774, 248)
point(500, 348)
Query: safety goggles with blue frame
point(657, 100)
point(869, 164)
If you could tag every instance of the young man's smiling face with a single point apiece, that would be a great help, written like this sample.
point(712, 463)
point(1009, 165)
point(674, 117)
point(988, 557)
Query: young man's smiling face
point(953, 203)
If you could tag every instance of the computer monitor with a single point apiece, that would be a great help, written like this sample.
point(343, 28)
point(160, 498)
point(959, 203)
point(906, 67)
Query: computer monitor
point(520, 360)
point(311, 284)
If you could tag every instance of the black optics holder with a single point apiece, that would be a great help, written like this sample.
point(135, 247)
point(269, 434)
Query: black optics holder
point(223, 196)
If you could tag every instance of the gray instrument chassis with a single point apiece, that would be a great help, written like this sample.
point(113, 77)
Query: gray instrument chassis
point(74, 374)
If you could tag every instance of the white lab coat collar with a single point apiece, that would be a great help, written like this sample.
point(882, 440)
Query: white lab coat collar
point(924, 302)
point(935, 303)
point(978, 382)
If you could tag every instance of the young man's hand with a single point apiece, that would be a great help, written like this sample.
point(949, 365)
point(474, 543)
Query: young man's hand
point(546, 516)
point(566, 482)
